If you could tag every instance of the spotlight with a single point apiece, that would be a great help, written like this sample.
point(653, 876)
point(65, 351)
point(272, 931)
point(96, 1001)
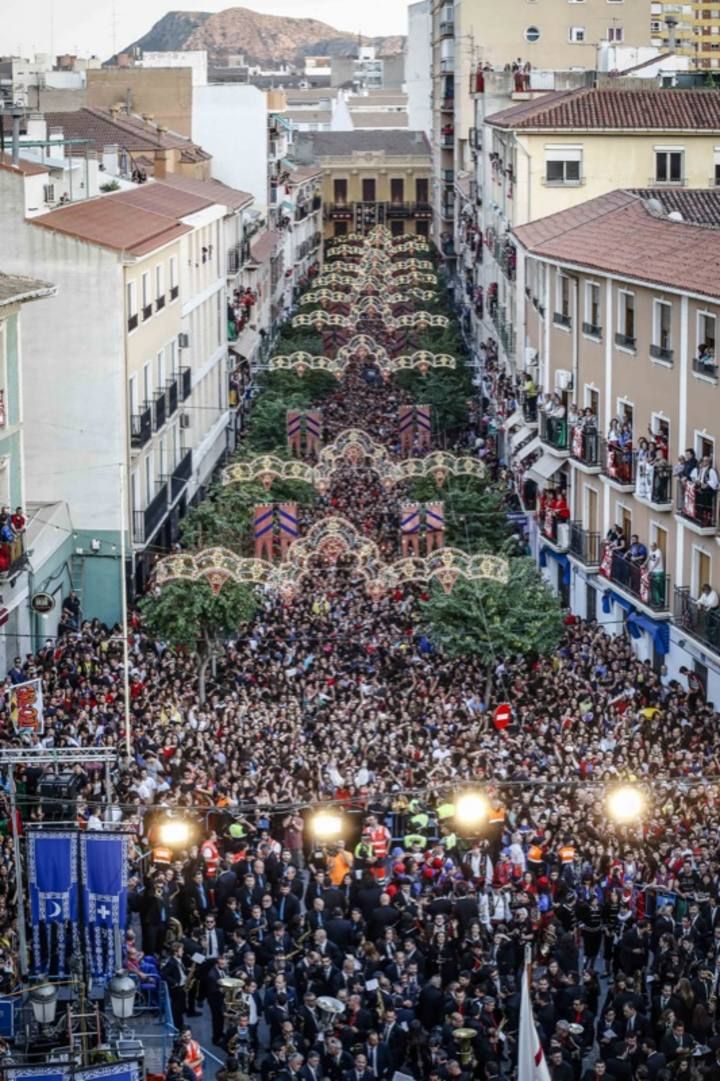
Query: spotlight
point(326, 826)
point(174, 832)
point(471, 810)
point(625, 804)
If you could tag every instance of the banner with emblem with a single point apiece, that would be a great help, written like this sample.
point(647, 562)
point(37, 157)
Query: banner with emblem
point(104, 861)
point(689, 509)
point(44, 1072)
point(26, 707)
point(120, 1071)
point(577, 442)
point(606, 561)
point(53, 887)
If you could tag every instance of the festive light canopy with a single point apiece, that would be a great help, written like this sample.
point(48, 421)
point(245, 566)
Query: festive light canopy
point(379, 313)
point(268, 468)
point(325, 297)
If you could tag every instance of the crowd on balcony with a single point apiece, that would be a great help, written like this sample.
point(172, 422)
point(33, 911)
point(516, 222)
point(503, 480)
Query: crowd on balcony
point(698, 486)
point(552, 510)
point(12, 528)
point(633, 565)
point(240, 311)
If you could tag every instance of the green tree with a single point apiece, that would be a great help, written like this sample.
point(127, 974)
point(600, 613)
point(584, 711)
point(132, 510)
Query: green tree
point(224, 519)
point(491, 620)
point(475, 514)
point(187, 615)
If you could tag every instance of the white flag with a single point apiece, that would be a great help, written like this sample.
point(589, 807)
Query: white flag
point(531, 1057)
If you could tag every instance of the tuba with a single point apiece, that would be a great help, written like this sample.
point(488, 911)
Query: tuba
point(465, 1037)
point(330, 1009)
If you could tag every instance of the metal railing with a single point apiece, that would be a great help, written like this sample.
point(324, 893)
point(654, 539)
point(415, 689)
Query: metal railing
point(651, 589)
point(705, 367)
point(617, 463)
point(554, 431)
point(141, 427)
point(584, 545)
point(659, 352)
point(701, 622)
point(653, 482)
point(561, 320)
point(181, 474)
point(185, 382)
point(625, 341)
point(585, 445)
point(697, 504)
point(160, 409)
point(172, 396)
point(593, 330)
point(146, 521)
point(12, 555)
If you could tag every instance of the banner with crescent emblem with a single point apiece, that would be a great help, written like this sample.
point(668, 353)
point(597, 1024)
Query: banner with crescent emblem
point(120, 1071)
point(104, 859)
point(53, 882)
point(40, 1072)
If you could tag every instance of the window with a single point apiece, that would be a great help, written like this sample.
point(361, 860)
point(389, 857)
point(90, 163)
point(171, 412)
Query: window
point(160, 369)
point(171, 351)
point(397, 228)
point(593, 322)
point(563, 164)
point(397, 190)
point(131, 302)
point(668, 166)
point(159, 287)
point(532, 34)
point(174, 288)
point(615, 34)
point(148, 479)
point(368, 189)
point(661, 347)
point(422, 228)
point(706, 332)
point(701, 570)
point(704, 446)
point(625, 336)
point(341, 228)
point(145, 292)
point(340, 192)
point(716, 166)
point(147, 382)
point(132, 395)
point(562, 301)
point(576, 35)
point(422, 190)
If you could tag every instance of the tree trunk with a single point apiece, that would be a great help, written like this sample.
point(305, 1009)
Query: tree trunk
point(489, 678)
point(204, 659)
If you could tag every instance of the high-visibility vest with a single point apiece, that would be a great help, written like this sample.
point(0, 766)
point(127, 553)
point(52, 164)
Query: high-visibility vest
point(497, 815)
point(535, 854)
point(445, 810)
point(162, 854)
point(566, 854)
point(379, 840)
point(209, 852)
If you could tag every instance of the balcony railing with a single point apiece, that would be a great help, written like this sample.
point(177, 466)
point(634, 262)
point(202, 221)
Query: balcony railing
point(422, 210)
point(147, 311)
point(651, 589)
point(145, 522)
point(625, 341)
point(12, 556)
point(340, 212)
point(703, 366)
point(185, 383)
point(447, 28)
point(659, 352)
point(447, 105)
point(653, 483)
point(447, 140)
point(530, 409)
point(554, 431)
point(181, 475)
point(233, 261)
point(561, 320)
point(584, 545)
point(132, 322)
point(593, 330)
point(397, 210)
point(585, 446)
point(172, 397)
point(160, 409)
point(697, 505)
point(141, 428)
point(617, 464)
point(701, 622)
point(174, 292)
point(159, 303)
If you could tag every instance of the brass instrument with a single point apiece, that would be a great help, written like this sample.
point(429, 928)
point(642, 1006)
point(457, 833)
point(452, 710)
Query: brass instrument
point(174, 931)
point(329, 1008)
point(298, 943)
point(380, 1003)
point(232, 988)
point(465, 1037)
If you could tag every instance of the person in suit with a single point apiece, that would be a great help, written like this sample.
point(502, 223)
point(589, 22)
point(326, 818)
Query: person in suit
point(196, 897)
point(381, 918)
point(231, 917)
point(216, 998)
point(431, 1002)
point(339, 930)
point(212, 945)
point(377, 1054)
point(308, 1020)
point(634, 1023)
point(317, 917)
point(677, 1042)
point(287, 904)
point(154, 916)
point(359, 1072)
point(292, 1071)
point(654, 1059)
point(393, 1037)
point(326, 948)
point(311, 1071)
point(225, 886)
point(336, 1062)
point(175, 976)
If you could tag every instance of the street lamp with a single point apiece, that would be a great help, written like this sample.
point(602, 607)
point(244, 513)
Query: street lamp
point(471, 810)
point(326, 826)
point(122, 995)
point(43, 999)
point(625, 804)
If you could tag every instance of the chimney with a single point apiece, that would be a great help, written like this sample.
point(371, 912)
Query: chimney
point(671, 24)
point(17, 116)
point(160, 165)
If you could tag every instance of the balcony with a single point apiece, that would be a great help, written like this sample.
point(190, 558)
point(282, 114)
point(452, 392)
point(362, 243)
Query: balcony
point(132, 322)
point(585, 448)
point(447, 105)
point(584, 546)
point(447, 65)
point(141, 428)
point(625, 341)
point(706, 367)
point(697, 508)
point(529, 408)
point(423, 211)
point(653, 485)
point(562, 320)
point(397, 210)
point(233, 261)
point(695, 619)
point(447, 140)
point(317, 202)
point(554, 531)
point(617, 465)
point(185, 383)
point(448, 176)
point(659, 352)
point(651, 590)
point(147, 312)
point(146, 522)
point(159, 303)
point(12, 557)
point(447, 28)
point(447, 211)
point(592, 330)
point(301, 212)
point(340, 212)
point(172, 397)
point(181, 475)
point(160, 409)
point(554, 435)
point(174, 292)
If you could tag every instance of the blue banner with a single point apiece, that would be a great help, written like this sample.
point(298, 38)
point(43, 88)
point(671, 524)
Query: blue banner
point(37, 1073)
point(103, 866)
point(121, 1071)
point(53, 882)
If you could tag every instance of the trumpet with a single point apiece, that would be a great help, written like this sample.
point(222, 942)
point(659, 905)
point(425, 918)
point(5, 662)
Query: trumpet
point(380, 1003)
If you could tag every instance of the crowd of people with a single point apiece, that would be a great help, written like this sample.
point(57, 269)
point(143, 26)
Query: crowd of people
point(398, 944)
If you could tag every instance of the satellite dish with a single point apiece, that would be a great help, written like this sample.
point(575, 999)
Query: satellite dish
point(654, 206)
point(675, 215)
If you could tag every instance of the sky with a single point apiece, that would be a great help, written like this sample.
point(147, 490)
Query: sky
point(100, 26)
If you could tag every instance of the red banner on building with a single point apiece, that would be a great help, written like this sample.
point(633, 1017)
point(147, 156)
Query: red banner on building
point(689, 508)
point(434, 526)
point(263, 523)
point(410, 529)
point(606, 561)
point(577, 442)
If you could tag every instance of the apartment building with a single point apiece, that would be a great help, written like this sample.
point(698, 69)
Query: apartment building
point(469, 37)
point(557, 150)
point(372, 178)
point(132, 382)
point(623, 318)
point(689, 29)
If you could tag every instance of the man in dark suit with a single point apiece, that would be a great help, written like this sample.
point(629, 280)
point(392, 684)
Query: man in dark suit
point(216, 998)
point(359, 1072)
point(381, 918)
point(316, 918)
point(634, 1023)
point(196, 897)
point(676, 1042)
point(377, 1055)
point(431, 1002)
point(336, 1062)
point(340, 930)
point(393, 1037)
point(154, 916)
point(175, 976)
point(312, 1071)
point(225, 886)
point(308, 1020)
point(231, 916)
point(287, 904)
point(654, 1059)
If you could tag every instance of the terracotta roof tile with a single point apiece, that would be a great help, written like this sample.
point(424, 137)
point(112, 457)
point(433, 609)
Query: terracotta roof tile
point(619, 234)
point(112, 222)
point(616, 109)
point(262, 246)
point(27, 168)
point(15, 289)
point(103, 129)
point(213, 190)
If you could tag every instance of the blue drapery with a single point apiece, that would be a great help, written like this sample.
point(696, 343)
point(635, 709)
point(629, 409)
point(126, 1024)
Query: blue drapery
point(610, 597)
point(559, 558)
point(103, 862)
point(121, 1071)
point(638, 624)
point(53, 882)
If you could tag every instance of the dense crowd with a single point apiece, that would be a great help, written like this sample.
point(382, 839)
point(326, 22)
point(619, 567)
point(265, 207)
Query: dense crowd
point(415, 928)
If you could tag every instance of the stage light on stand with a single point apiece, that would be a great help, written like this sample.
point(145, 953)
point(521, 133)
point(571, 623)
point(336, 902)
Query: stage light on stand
point(626, 804)
point(326, 826)
point(471, 810)
point(174, 832)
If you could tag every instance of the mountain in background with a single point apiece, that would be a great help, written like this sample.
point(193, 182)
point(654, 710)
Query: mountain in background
point(263, 39)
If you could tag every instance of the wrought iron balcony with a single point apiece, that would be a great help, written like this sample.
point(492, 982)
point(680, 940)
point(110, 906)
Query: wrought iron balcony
point(160, 409)
point(705, 366)
point(625, 341)
point(185, 383)
point(651, 589)
point(584, 545)
point(146, 522)
point(172, 396)
point(701, 622)
point(181, 475)
point(697, 507)
point(593, 330)
point(618, 465)
point(659, 352)
point(585, 446)
point(554, 432)
point(141, 427)
point(12, 557)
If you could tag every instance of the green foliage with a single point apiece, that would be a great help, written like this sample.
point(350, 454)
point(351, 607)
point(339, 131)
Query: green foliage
point(224, 519)
point(475, 515)
point(188, 615)
point(267, 430)
point(446, 391)
point(490, 620)
point(111, 185)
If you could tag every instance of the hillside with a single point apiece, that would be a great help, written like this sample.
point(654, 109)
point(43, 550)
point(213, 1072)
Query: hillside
point(263, 39)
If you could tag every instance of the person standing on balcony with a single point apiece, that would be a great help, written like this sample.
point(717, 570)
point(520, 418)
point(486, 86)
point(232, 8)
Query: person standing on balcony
point(708, 598)
point(656, 567)
point(706, 482)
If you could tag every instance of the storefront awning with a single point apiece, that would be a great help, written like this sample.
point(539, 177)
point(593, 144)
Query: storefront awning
point(245, 344)
point(520, 436)
point(543, 469)
point(513, 420)
point(528, 449)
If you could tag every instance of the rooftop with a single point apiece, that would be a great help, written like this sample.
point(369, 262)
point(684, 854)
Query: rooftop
point(27, 168)
point(114, 222)
point(622, 233)
point(397, 144)
point(698, 205)
point(615, 109)
point(212, 190)
point(263, 245)
point(130, 132)
point(369, 121)
point(15, 289)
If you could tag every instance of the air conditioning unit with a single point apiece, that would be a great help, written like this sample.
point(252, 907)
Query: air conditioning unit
point(183, 341)
point(184, 420)
point(563, 379)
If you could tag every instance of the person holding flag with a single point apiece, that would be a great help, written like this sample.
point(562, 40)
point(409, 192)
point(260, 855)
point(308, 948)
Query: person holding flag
point(532, 1065)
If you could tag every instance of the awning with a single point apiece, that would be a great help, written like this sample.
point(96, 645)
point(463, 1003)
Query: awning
point(520, 436)
point(543, 469)
point(245, 344)
point(528, 449)
point(638, 624)
point(559, 558)
point(610, 597)
point(514, 419)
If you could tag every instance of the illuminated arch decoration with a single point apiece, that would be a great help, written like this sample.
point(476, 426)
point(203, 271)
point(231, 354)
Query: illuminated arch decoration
point(216, 565)
point(364, 347)
point(440, 465)
point(302, 362)
point(267, 468)
point(423, 361)
point(445, 566)
point(380, 313)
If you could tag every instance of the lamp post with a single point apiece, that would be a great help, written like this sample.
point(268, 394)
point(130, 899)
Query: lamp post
point(43, 999)
point(122, 992)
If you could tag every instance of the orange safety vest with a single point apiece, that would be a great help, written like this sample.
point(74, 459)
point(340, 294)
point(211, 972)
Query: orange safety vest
point(209, 852)
point(535, 854)
point(195, 1058)
point(497, 816)
point(162, 854)
point(566, 854)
